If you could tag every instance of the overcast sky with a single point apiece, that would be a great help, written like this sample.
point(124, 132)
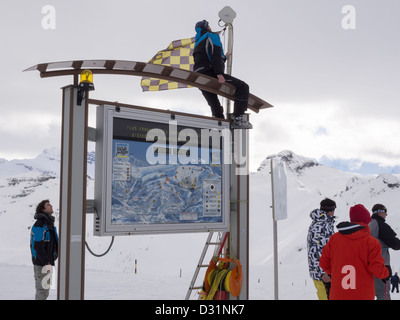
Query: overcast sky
point(335, 90)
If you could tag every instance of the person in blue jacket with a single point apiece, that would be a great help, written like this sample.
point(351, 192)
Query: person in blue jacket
point(209, 59)
point(44, 248)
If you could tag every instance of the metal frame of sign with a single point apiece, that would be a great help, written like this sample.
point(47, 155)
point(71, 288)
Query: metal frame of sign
point(133, 211)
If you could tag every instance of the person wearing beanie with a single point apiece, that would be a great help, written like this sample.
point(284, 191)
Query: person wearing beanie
point(359, 213)
point(388, 240)
point(319, 232)
point(353, 257)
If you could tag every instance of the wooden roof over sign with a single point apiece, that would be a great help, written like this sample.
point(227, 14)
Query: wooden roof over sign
point(142, 69)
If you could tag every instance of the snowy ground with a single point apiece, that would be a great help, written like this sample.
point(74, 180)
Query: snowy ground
point(102, 285)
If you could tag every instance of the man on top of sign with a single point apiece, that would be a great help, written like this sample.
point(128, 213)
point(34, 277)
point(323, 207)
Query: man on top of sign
point(209, 59)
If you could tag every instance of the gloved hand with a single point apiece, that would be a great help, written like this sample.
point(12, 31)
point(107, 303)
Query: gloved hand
point(390, 274)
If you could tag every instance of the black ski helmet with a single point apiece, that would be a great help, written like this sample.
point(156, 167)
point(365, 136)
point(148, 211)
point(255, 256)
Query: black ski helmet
point(201, 24)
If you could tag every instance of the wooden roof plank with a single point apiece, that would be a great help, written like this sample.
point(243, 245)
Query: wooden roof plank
point(136, 68)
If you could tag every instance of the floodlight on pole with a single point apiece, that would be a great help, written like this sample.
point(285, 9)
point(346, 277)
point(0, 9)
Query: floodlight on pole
point(227, 14)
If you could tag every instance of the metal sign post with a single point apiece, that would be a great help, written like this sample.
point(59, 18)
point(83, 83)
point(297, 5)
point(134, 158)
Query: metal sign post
point(276, 278)
point(239, 231)
point(239, 216)
point(71, 271)
point(279, 211)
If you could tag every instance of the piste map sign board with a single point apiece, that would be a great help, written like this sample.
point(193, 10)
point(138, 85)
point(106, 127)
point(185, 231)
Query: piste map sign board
point(160, 173)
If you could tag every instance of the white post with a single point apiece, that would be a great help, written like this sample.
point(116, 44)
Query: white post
point(276, 267)
point(71, 260)
point(275, 237)
point(279, 210)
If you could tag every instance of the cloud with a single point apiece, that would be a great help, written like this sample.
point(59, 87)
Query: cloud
point(335, 91)
point(359, 166)
point(26, 134)
point(327, 129)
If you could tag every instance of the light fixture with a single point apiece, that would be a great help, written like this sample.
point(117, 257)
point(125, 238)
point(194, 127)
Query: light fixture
point(227, 14)
point(86, 84)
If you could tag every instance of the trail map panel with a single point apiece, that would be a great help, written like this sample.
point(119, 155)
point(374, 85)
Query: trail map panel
point(165, 175)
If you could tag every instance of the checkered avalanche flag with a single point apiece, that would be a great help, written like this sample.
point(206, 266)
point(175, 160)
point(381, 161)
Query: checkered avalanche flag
point(179, 54)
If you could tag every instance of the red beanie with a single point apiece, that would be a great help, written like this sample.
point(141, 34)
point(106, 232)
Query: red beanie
point(359, 213)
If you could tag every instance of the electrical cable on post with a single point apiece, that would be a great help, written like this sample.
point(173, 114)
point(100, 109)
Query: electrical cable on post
point(229, 51)
point(102, 254)
point(229, 63)
point(109, 248)
point(227, 102)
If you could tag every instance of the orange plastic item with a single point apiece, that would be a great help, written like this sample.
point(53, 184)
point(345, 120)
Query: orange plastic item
point(233, 280)
point(211, 267)
point(236, 280)
point(236, 277)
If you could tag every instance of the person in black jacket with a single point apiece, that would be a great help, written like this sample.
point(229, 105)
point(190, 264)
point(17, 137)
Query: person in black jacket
point(387, 238)
point(44, 248)
point(395, 282)
point(209, 59)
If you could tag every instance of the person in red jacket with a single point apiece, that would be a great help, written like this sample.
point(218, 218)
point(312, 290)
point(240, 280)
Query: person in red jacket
point(353, 257)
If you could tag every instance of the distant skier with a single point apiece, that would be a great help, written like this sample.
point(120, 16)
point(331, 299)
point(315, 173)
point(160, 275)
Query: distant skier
point(209, 59)
point(319, 232)
point(395, 282)
point(44, 248)
point(387, 238)
point(353, 257)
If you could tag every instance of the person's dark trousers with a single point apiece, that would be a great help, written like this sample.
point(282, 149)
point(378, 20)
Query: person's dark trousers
point(212, 99)
point(327, 288)
point(241, 97)
point(241, 94)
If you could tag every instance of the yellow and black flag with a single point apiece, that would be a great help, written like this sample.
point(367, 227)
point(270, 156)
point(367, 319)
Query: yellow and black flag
point(179, 54)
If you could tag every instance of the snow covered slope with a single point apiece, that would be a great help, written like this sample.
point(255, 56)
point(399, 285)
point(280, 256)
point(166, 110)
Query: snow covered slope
point(308, 183)
point(166, 262)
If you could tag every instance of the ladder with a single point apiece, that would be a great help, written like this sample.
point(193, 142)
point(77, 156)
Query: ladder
point(219, 243)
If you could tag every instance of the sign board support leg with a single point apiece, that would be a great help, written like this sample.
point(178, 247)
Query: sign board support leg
point(239, 232)
point(71, 260)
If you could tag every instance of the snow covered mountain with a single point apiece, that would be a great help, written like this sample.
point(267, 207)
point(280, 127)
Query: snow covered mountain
point(171, 259)
point(48, 162)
